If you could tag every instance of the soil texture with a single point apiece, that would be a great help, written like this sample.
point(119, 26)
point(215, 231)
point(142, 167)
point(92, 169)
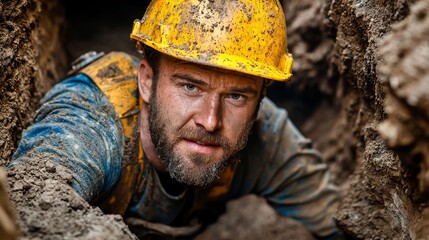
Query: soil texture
point(32, 59)
point(48, 208)
point(251, 217)
point(405, 69)
point(380, 195)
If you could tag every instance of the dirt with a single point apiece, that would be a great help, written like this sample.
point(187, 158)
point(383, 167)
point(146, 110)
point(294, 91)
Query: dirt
point(8, 225)
point(110, 71)
point(32, 58)
point(239, 222)
point(379, 196)
point(48, 208)
point(340, 97)
point(359, 91)
point(404, 68)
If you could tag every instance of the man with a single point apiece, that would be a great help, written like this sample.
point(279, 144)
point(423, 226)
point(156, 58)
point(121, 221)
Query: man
point(193, 130)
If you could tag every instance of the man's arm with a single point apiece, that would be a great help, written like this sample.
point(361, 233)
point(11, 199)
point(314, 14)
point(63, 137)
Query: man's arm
point(77, 127)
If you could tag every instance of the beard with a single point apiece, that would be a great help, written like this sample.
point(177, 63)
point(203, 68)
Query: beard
point(205, 168)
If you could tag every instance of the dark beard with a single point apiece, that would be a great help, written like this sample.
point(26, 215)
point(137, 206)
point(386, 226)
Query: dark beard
point(174, 163)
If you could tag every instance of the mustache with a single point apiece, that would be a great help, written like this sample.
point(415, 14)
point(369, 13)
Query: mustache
point(199, 135)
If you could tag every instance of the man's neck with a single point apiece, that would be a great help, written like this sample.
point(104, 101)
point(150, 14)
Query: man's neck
point(171, 185)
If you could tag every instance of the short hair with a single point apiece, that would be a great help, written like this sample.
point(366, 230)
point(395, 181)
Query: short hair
point(154, 59)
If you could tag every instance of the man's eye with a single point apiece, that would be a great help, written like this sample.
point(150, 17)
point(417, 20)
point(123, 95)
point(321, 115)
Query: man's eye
point(236, 96)
point(190, 87)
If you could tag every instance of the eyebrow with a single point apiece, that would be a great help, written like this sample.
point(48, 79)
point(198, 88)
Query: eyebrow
point(188, 78)
point(243, 90)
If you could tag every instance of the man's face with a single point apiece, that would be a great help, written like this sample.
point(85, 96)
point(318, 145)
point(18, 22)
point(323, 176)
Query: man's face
point(200, 118)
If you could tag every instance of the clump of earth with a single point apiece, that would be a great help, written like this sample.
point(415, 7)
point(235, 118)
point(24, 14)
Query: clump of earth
point(48, 208)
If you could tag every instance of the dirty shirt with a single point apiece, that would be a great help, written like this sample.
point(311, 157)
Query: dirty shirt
point(77, 127)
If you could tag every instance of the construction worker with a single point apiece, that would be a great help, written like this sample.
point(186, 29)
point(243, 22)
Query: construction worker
point(187, 126)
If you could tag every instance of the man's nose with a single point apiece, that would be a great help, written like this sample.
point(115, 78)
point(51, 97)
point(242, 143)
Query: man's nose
point(209, 115)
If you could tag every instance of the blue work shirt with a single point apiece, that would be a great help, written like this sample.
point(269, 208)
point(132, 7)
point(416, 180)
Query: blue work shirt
point(77, 127)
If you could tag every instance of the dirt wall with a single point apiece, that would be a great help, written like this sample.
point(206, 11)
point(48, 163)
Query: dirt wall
point(404, 68)
point(32, 58)
point(381, 199)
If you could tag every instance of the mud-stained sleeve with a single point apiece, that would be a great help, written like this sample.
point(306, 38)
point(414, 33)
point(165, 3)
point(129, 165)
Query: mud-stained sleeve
point(76, 127)
point(293, 179)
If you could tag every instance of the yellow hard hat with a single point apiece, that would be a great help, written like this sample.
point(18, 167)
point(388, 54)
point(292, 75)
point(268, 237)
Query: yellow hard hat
point(247, 36)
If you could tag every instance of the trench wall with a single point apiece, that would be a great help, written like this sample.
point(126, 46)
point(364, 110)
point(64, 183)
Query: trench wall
point(32, 59)
point(345, 51)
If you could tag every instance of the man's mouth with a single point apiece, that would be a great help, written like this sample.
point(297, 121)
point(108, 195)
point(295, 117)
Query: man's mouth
point(202, 147)
point(203, 143)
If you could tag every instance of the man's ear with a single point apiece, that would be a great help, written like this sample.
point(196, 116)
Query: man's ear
point(265, 85)
point(264, 92)
point(145, 79)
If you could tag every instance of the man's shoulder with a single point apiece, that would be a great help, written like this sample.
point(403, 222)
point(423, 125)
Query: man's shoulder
point(99, 60)
point(115, 74)
point(268, 128)
point(270, 118)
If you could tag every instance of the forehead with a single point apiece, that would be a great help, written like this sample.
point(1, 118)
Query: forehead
point(170, 65)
